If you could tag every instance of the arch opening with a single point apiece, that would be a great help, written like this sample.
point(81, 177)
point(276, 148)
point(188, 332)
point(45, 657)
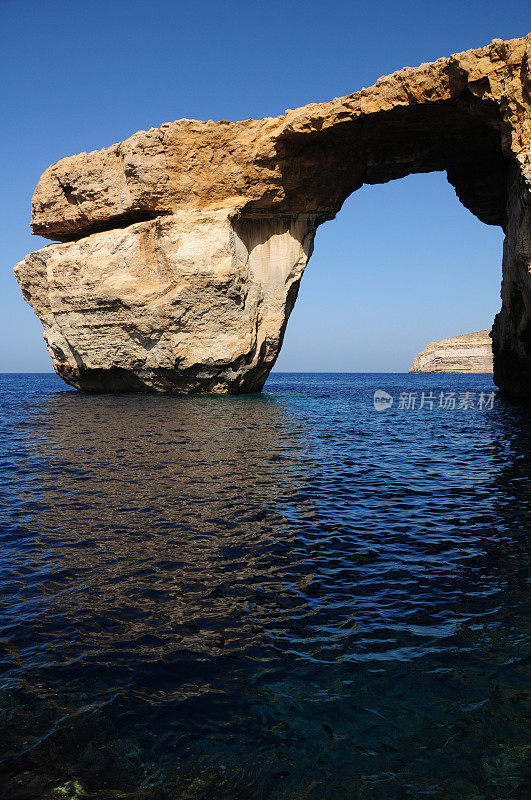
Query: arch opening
point(402, 264)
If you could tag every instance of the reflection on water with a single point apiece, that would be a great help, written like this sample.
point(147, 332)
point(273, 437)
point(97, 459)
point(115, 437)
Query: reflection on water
point(283, 596)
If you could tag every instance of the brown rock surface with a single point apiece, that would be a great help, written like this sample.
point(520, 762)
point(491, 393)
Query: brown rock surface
point(185, 244)
point(468, 353)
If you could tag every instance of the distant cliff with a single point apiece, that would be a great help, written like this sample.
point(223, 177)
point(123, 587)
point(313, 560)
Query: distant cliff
point(471, 352)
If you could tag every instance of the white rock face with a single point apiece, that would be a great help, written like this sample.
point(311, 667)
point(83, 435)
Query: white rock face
point(469, 353)
point(194, 301)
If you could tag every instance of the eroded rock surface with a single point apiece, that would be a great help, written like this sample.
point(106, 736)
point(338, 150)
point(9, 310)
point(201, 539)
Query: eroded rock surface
point(468, 353)
point(183, 246)
point(190, 301)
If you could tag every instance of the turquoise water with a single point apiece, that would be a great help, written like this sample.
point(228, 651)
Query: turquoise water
point(281, 596)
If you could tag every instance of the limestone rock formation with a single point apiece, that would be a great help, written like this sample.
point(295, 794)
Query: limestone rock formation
point(468, 353)
point(182, 248)
point(190, 301)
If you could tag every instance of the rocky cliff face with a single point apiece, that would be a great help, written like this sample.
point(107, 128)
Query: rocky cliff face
point(190, 301)
point(469, 353)
point(181, 249)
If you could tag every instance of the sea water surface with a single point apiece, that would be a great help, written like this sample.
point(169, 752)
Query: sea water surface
point(278, 597)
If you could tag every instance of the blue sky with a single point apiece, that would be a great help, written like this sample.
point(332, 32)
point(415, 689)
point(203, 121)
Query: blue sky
point(404, 263)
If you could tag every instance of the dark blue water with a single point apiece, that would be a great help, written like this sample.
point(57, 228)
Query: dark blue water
point(280, 597)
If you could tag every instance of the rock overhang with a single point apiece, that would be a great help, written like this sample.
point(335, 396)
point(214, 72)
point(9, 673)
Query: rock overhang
point(260, 165)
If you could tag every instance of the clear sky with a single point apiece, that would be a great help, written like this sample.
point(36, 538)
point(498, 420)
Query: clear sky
point(404, 263)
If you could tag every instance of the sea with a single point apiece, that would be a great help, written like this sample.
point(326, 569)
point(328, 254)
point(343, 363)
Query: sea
point(306, 594)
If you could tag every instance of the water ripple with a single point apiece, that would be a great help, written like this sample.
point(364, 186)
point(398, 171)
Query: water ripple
point(284, 596)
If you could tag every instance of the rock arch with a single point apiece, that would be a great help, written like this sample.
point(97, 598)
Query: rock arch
point(181, 249)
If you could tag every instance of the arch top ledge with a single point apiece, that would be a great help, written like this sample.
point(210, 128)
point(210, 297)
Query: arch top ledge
point(224, 214)
point(448, 108)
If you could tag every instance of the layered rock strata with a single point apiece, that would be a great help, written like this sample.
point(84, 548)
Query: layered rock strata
point(468, 353)
point(182, 248)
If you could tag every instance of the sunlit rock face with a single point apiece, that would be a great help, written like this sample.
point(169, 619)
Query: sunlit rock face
point(468, 353)
point(190, 301)
point(183, 247)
